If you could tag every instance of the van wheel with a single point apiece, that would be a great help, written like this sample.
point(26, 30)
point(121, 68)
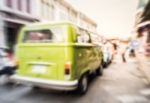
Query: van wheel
point(104, 65)
point(99, 71)
point(83, 84)
point(36, 88)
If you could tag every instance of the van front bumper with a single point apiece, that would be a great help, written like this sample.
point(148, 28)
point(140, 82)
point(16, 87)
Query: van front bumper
point(51, 84)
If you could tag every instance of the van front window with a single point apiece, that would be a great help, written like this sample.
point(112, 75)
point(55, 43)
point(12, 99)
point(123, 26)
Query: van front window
point(44, 36)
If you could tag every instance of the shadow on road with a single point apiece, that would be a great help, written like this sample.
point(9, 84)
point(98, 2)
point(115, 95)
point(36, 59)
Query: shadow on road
point(24, 94)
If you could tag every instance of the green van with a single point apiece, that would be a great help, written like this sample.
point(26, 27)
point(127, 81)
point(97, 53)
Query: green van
point(58, 56)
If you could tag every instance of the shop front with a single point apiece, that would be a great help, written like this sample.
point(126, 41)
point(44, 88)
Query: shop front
point(11, 26)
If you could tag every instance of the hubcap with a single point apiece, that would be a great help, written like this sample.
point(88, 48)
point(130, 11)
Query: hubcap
point(84, 83)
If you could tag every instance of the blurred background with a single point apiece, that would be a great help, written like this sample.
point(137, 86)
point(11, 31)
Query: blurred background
point(112, 19)
point(123, 28)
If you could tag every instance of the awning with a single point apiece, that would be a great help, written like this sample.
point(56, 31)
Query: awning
point(143, 24)
point(16, 21)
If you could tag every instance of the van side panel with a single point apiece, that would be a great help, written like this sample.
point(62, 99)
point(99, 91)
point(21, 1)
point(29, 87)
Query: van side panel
point(87, 56)
point(87, 59)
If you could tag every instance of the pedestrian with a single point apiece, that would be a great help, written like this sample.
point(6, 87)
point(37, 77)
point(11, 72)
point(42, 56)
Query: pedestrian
point(8, 64)
point(7, 70)
point(132, 53)
point(123, 49)
point(115, 46)
point(114, 49)
point(123, 57)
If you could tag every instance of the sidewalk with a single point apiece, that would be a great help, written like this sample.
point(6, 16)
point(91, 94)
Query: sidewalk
point(118, 58)
point(144, 65)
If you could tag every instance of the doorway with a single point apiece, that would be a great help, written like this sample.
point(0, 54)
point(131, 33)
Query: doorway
point(11, 31)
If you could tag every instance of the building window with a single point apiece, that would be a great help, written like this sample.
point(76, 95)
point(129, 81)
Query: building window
point(83, 36)
point(63, 15)
point(47, 11)
point(19, 2)
point(43, 10)
point(51, 12)
point(73, 16)
point(28, 8)
point(9, 3)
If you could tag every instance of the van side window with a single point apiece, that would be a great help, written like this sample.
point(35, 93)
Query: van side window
point(83, 37)
point(96, 38)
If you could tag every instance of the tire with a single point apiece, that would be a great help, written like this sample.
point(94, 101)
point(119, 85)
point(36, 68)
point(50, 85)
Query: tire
point(36, 88)
point(104, 65)
point(4, 80)
point(99, 71)
point(83, 85)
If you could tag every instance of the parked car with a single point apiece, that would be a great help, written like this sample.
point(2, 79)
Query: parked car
point(58, 56)
point(107, 54)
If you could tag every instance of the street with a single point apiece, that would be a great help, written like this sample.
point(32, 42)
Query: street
point(121, 83)
point(58, 43)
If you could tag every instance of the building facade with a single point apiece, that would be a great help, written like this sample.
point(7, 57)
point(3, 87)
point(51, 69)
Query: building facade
point(142, 27)
point(60, 10)
point(15, 13)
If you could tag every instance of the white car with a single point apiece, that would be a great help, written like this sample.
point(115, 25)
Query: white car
point(107, 54)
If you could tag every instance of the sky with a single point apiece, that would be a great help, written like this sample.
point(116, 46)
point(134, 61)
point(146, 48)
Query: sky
point(115, 18)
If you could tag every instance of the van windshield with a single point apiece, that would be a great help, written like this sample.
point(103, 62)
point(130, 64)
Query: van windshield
point(44, 36)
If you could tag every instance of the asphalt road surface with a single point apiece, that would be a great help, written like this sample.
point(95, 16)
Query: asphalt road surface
point(121, 83)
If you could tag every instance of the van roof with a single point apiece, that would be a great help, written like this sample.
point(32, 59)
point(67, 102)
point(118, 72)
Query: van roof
point(51, 23)
point(56, 23)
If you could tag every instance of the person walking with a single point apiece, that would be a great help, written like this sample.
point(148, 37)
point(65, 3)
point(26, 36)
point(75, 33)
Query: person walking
point(123, 52)
point(123, 57)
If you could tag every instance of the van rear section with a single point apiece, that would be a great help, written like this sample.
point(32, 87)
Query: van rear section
point(44, 61)
point(45, 57)
point(46, 66)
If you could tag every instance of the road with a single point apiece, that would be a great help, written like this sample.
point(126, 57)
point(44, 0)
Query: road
point(121, 83)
